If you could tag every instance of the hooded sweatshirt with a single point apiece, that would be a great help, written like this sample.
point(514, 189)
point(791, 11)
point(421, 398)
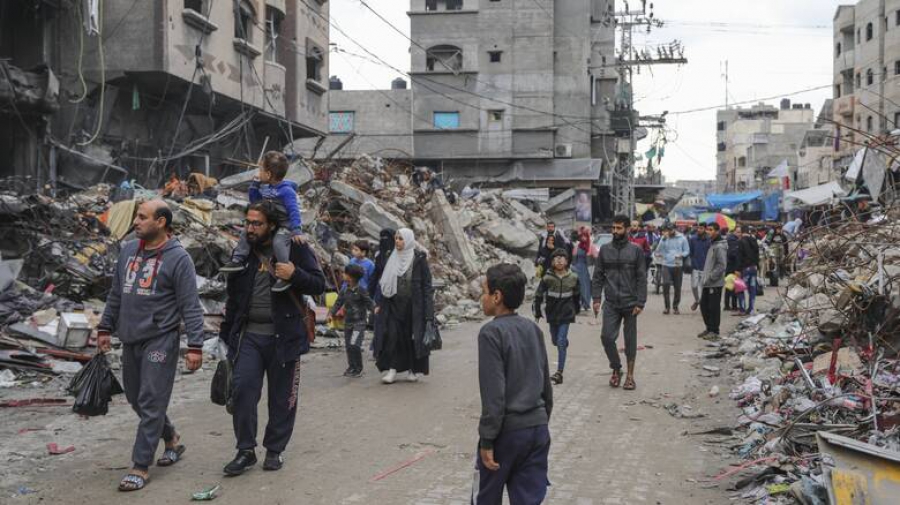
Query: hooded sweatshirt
point(151, 293)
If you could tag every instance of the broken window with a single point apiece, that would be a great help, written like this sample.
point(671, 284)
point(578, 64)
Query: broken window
point(196, 5)
point(243, 21)
point(496, 56)
point(444, 58)
point(869, 32)
point(274, 17)
point(315, 59)
point(495, 116)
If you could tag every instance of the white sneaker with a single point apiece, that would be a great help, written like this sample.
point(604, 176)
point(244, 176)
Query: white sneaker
point(412, 377)
point(389, 377)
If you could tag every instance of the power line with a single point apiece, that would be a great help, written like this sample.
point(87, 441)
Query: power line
point(745, 102)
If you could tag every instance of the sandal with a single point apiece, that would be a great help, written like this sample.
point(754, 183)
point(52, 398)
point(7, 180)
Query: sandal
point(615, 379)
point(171, 456)
point(133, 482)
point(629, 384)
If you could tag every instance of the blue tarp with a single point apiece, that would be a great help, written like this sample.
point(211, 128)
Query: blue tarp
point(771, 206)
point(729, 200)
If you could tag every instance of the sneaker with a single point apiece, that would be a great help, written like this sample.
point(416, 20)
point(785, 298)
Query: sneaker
point(695, 306)
point(557, 378)
point(241, 463)
point(389, 377)
point(273, 461)
point(349, 371)
point(703, 334)
point(353, 374)
point(280, 285)
point(232, 267)
point(412, 377)
point(676, 312)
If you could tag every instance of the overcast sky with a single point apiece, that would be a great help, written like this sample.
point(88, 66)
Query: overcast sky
point(773, 47)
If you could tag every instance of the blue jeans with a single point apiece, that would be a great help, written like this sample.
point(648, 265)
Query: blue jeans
point(559, 335)
point(751, 279)
point(740, 301)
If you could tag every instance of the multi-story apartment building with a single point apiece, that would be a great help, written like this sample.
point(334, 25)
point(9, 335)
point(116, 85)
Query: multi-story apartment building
point(815, 160)
point(169, 86)
point(751, 142)
point(866, 73)
point(496, 86)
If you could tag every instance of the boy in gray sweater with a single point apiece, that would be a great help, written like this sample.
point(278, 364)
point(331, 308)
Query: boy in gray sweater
point(516, 396)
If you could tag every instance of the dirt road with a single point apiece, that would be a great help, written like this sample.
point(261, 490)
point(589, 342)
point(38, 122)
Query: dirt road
point(360, 442)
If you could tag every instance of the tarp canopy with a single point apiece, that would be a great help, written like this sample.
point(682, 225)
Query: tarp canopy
point(729, 200)
point(818, 195)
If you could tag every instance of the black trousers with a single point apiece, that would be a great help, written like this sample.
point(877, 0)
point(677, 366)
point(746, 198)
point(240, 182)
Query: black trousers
point(523, 457)
point(711, 308)
point(257, 359)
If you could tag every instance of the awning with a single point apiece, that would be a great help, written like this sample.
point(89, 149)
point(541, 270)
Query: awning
point(818, 195)
point(729, 200)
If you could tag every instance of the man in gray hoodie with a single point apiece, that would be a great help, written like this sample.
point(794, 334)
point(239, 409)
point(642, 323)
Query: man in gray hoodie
point(713, 279)
point(154, 289)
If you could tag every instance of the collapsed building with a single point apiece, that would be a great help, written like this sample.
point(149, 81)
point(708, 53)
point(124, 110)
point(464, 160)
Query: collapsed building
point(108, 90)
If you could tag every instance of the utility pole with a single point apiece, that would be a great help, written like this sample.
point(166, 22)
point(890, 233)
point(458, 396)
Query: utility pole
point(628, 59)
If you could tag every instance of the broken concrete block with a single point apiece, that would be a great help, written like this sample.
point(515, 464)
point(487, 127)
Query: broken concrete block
point(351, 193)
point(382, 218)
point(447, 223)
point(527, 215)
point(509, 237)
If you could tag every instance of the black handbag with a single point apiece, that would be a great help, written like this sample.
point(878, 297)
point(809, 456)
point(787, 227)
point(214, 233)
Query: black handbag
point(432, 338)
point(221, 389)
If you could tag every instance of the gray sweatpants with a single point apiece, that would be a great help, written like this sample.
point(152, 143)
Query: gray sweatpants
point(281, 247)
point(696, 284)
point(613, 318)
point(148, 374)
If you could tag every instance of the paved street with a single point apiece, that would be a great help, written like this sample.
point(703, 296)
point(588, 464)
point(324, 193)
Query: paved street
point(360, 442)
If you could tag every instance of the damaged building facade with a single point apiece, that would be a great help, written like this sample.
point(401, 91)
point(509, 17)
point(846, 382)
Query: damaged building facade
point(511, 93)
point(145, 90)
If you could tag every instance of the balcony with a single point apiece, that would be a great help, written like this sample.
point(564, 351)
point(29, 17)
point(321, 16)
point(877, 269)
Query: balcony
point(846, 61)
point(845, 106)
point(275, 76)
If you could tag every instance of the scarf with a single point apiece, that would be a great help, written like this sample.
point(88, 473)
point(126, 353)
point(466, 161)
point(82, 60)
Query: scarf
point(385, 248)
point(399, 263)
point(584, 240)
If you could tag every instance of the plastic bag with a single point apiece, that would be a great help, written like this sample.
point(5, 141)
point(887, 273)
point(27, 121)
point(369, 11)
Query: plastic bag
point(432, 338)
point(93, 387)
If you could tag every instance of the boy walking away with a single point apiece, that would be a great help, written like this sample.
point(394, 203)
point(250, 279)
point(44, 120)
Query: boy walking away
point(357, 304)
point(516, 397)
point(562, 290)
point(360, 253)
point(272, 187)
point(713, 279)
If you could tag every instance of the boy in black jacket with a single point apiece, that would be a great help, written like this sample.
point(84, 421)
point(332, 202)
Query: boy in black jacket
point(516, 396)
point(562, 290)
point(357, 305)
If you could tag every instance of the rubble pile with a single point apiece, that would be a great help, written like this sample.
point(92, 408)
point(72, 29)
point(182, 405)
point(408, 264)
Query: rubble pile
point(823, 364)
point(58, 255)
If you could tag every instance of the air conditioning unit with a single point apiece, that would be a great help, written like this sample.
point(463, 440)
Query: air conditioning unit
point(563, 151)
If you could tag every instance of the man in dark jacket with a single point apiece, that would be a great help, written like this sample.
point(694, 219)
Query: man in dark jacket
point(699, 244)
point(713, 279)
point(749, 262)
point(154, 289)
point(266, 335)
point(620, 272)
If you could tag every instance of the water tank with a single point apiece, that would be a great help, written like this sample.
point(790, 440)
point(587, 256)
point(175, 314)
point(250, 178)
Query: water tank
point(785, 104)
point(798, 106)
point(807, 106)
point(398, 83)
point(335, 84)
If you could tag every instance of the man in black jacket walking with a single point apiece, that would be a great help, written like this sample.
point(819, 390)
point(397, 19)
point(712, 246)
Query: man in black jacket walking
point(266, 335)
point(749, 262)
point(621, 272)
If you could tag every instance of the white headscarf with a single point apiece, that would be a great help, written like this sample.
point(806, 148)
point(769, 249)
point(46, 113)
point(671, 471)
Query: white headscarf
point(398, 263)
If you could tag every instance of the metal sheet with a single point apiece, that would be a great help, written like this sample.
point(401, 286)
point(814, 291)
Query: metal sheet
point(859, 473)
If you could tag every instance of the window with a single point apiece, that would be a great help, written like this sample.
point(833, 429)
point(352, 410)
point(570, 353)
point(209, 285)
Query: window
point(430, 5)
point(720, 126)
point(495, 56)
point(837, 50)
point(444, 58)
point(897, 67)
point(884, 74)
point(314, 60)
point(454, 5)
point(274, 18)
point(721, 147)
point(446, 120)
point(897, 18)
point(869, 124)
point(837, 91)
point(341, 122)
point(243, 21)
point(196, 5)
point(870, 77)
point(869, 32)
point(858, 37)
point(495, 116)
point(742, 162)
point(858, 80)
point(896, 119)
point(449, 5)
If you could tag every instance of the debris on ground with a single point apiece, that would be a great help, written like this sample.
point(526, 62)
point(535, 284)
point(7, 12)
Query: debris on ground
point(822, 363)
